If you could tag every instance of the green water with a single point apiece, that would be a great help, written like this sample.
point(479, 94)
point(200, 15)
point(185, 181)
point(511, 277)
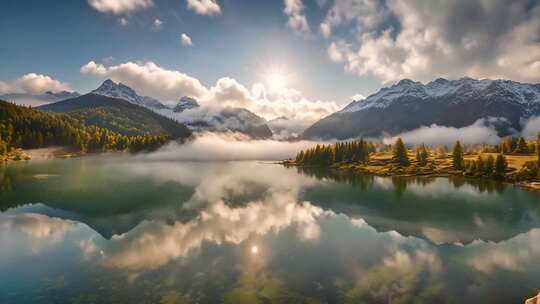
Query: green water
point(126, 230)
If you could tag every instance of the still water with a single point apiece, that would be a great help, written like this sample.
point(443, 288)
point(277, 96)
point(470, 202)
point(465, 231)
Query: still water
point(127, 230)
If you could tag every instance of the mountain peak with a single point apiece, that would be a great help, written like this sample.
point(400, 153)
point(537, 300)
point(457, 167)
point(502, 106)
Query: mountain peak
point(112, 89)
point(406, 81)
point(186, 103)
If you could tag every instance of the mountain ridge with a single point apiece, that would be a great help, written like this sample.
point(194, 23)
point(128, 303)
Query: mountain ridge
point(408, 105)
point(118, 115)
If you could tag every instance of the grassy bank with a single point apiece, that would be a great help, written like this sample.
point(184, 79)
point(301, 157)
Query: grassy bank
point(382, 164)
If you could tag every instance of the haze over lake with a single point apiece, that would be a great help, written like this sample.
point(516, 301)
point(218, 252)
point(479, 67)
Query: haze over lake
point(106, 229)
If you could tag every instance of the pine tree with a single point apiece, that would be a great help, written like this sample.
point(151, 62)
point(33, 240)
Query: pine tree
point(457, 156)
point(521, 146)
point(489, 165)
point(500, 165)
point(400, 156)
point(422, 155)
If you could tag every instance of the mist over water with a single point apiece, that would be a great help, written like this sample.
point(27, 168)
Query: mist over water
point(228, 146)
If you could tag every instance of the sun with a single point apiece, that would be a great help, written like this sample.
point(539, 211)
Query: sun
point(276, 81)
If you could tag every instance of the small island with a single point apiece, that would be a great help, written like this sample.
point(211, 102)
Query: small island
point(513, 160)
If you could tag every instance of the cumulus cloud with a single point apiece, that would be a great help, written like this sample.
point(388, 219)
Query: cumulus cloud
point(33, 83)
point(296, 18)
point(423, 40)
point(147, 78)
point(364, 14)
point(186, 40)
point(119, 7)
point(204, 7)
point(482, 131)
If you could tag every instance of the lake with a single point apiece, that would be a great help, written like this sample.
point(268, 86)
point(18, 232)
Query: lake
point(130, 230)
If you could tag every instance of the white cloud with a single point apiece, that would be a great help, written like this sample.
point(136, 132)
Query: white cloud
point(157, 24)
point(119, 7)
point(152, 80)
point(33, 83)
point(296, 18)
point(149, 79)
point(204, 7)
point(186, 40)
point(123, 21)
point(424, 40)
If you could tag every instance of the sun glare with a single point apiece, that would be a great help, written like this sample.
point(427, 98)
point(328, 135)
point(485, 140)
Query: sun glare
point(276, 81)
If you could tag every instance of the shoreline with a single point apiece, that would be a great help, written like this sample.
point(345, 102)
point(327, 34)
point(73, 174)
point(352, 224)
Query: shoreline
point(387, 170)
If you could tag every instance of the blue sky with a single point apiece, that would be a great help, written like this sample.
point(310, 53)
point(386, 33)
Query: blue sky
point(328, 50)
point(56, 38)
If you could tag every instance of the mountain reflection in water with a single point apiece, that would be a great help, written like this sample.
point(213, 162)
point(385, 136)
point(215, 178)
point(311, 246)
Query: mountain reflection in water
point(247, 232)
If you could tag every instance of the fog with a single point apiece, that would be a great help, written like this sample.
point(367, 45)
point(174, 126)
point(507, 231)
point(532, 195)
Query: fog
point(480, 132)
point(228, 146)
point(531, 128)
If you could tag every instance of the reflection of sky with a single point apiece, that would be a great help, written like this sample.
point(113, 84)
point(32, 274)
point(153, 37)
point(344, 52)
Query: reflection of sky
point(249, 219)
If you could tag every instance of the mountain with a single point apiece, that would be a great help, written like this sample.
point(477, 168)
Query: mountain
point(38, 99)
point(27, 128)
point(118, 90)
point(408, 105)
point(186, 103)
point(118, 115)
point(221, 119)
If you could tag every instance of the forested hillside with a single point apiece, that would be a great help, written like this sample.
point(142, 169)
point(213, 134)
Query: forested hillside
point(118, 115)
point(23, 127)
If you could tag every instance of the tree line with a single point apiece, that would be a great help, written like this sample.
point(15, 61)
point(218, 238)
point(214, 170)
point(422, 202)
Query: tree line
point(23, 127)
point(484, 166)
point(326, 155)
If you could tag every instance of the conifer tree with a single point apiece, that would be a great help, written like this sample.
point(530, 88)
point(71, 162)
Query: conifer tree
point(400, 156)
point(457, 156)
point(422, 155)
point(500, 165)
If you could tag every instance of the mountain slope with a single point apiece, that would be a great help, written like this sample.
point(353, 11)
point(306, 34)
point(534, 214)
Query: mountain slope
point(118, 90)
point(408, 105)
point(27, 128)
point(118, 115)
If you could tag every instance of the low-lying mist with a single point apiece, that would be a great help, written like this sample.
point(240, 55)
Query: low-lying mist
point(228, 146)
point(478, 133)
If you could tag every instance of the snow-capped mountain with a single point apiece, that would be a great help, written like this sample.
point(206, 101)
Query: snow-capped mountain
point(186, 103)
point(407, 105)
point(38, 99)
point(118, 90)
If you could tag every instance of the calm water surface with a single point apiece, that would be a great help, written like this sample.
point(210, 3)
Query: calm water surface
point(126, 230)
